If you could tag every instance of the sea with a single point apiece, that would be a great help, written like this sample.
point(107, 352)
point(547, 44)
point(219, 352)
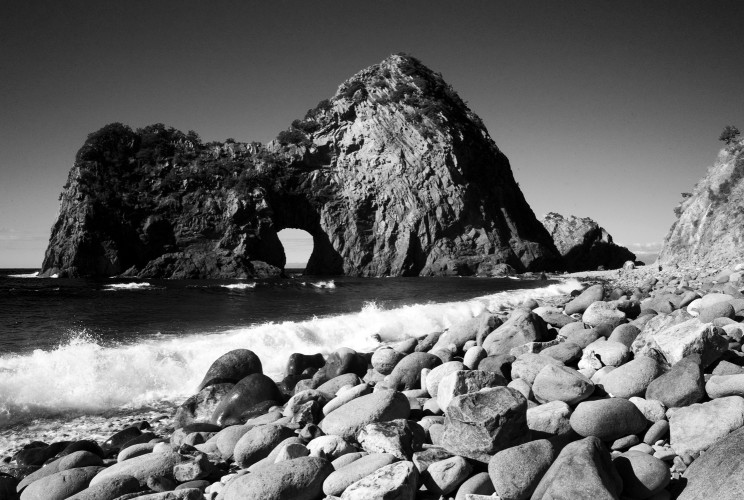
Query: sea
point(76, 348)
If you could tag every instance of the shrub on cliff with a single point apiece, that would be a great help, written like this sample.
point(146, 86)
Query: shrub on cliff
point(729, 135)
point(113, 143)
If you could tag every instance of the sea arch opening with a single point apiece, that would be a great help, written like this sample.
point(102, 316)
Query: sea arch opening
point(298, 247)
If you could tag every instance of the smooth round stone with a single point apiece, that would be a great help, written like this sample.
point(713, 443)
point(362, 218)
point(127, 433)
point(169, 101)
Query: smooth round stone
point(257, 443)
point(473, 356)
point(346, 395)
point(250, 391)
point(329, 447)
point(579, 304)
point(714, 298)
point(720, 310)
point(632, 378)
point(478, 484)
point(625, 442)
point(652, 409)
point(550, 419)
point(603, 352)
point(603, 313)
point(528, 365)
point(142, 467)
point(578, 334)
point(522, 386)
point(298, 479)
point(659, 430)
point(682, 385)
point(331, 387)
point(350, 418)
point(720, 386)
point(643, 475)
point(60, 485)
point(407, 373)
point(345, 460)
point(113, 488)
point(290, 451)
point(561, 383)
point(565, 352)
point(516, 472)
point(446, 475)
point(438, 373)
point(607, 419)
point(625, 334)
point(232, 367)
point(385, 359)
point(341, 478)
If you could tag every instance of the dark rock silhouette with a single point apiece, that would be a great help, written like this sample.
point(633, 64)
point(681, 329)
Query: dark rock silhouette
point(392, 176)
point(583, 244)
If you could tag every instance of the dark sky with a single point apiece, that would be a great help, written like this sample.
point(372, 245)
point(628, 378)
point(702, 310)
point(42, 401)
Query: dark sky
point(606, 109)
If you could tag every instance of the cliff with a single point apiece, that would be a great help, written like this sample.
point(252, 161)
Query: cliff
point(394, 175)
point(709, 230)
point(583, 244)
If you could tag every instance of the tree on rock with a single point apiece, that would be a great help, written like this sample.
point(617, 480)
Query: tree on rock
point(729, 135)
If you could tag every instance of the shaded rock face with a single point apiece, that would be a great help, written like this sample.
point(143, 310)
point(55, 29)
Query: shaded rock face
point(583, 244)
point(392, 176)
point(709, 228)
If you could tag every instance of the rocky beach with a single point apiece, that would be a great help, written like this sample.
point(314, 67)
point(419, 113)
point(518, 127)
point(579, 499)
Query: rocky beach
point(631, 386)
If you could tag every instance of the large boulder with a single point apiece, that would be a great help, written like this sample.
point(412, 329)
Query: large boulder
point(479, 424)
point(561, 383)
point(463, 382)
point(694, 428)
point(297, 479)
point(250, 391)
point(200, 407)
point(632, 378)
point(680, 340)
point(643, 475)
point(599, 313)
point(583, 469)
point(523, 326)
point(438, 373)
point(111, 489)
point(258, 442)
point(231, 367)
point(341, 361)
point(719, 472)
point(399, 437)
point(381, 406)
point(60, 485)
point(579, 304)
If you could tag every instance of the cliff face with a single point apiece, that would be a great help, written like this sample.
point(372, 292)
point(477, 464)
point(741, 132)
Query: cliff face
point(583, 244)
point(392, 176)
point(709, 230)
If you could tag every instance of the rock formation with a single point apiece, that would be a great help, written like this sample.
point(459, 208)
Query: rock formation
point(583, 244)
point(709, 230)
point(394, 175)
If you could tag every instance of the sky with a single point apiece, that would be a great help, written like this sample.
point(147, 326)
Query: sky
point(605, 109)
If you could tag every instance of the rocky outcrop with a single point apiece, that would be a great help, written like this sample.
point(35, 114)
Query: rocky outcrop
point(583, 244)
point(392, 176)
point(709, 230)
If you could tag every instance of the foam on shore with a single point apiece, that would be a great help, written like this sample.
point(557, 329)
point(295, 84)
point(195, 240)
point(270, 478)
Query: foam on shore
point(85, 376)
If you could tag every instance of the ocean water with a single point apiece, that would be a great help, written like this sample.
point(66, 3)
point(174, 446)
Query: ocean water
point(71, 348)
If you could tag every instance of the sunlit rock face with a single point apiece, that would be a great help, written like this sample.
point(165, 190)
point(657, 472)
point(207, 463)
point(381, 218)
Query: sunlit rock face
point(392, 176)
point(709, 230)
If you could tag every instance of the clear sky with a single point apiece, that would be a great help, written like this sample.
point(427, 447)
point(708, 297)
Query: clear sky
point(606, 109)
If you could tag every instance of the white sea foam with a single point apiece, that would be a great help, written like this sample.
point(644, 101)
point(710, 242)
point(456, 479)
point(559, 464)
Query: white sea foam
point(239, 286)
point(82, 375)
point(29, 275)
point(127, 286)
point(324, 284)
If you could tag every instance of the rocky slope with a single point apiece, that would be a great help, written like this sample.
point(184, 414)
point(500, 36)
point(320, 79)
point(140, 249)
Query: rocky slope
point(392, 176)
point(709, 231)
point(583, 244)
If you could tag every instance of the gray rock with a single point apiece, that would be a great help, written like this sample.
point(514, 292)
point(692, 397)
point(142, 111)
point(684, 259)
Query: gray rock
point(438, 372)
point(398, 481)
point(695, 428)
point(400, 438)
point(73, 460)
point(719, 386)
point(585, 299)
point(582, 470)
point(719, 310)
point(565, 352)
point(719, 472)
point(625, 334)
point(602, 353)
point(607, 419)
point(478, 484)
point(407, 373)
point(523, 326)
point(251, 390)
point(258, 442)
point(472, 329)
point(200, 407)
point(549, 419)
point(480, 424)
point(683, 385)
point(297, 479)
point(632, 378)
point(60, 485)
point(350, 418)
point(385, 359)
point(527, 366)
point(643, 475)
point(232, 367)
point(330, 447)
point(341, 478)
point(110, 489)
point(680, 340)
point(516, 472)
point(330, 388)
point(445, 476)
point(463, 382)
point(603, 313)
point(142, 467)
point(561, 383)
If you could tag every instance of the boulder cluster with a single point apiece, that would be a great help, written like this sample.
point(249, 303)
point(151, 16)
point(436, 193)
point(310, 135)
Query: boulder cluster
point(633, 392)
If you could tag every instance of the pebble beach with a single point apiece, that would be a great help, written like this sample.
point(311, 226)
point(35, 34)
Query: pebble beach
point(629, 384)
